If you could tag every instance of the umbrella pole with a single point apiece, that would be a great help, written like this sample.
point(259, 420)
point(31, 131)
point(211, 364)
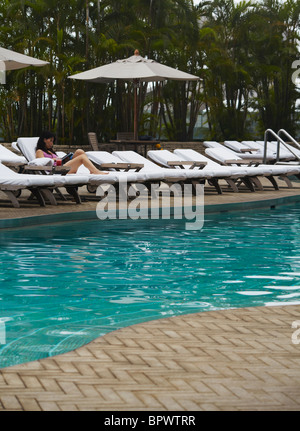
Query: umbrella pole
point(136, 83)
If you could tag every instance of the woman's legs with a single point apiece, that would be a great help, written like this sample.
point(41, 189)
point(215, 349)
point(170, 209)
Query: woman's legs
point(80, 158)
point(78, 153)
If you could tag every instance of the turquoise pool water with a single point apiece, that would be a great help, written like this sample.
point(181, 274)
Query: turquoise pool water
point(65, 285)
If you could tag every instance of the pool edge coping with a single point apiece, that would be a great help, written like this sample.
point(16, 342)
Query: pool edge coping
point(67, 217)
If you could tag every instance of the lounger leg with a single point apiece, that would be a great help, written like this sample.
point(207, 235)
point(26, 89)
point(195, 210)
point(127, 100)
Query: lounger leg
point(74, 192)
point(148, 184)
point(123, 191)
point(37, 194)
point(60, 194)
point(12, 198)
point(216, 185)
point(232, 184)
point(248, 184)
point(287, 181)
point(117, 189)
point(195, 183)
point(49, 196)
point(273, 182)
point(257, 183)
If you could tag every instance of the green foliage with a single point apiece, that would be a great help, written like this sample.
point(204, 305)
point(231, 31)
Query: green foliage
point(243, 53)
point(249, 50)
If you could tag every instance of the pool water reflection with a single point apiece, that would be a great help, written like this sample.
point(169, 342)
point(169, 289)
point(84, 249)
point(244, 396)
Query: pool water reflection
point(65, 285)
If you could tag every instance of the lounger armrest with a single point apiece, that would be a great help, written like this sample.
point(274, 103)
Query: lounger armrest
point(13, 164)
point(247, 150)
point(38, 168)
point(62, 170)
point(248, 162)
point(236, 162)
point(193, 165)
point(125, 166)
point(256, 162)
point(252, 162)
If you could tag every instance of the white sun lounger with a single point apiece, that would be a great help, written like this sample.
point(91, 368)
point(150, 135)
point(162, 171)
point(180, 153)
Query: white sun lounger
point(147, 174)
point(246, 151)
point(213, 171)
point(169, 174)
point(241, 149)
point(10, 158)
point(118, 174)
point(271, 155)
point(28, 148)
point(40, 185)
point(296, 151)
point(284, 153)
point(111, 162)
point(133, 171)
point(239, 170)
point(212, 144)
point(260, 149)
point(150, 168)
point(235, 174)
point(227, 157)
point(168, 159)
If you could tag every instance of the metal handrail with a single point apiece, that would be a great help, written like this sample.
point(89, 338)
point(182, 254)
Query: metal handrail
point(290, 138)
point(279, 141)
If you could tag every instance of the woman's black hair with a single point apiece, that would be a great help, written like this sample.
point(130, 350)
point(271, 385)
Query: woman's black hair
point(41, 142)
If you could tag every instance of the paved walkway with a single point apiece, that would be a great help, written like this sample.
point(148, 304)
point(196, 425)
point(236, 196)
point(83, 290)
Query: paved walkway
point(31, 209)
point(223, 360)
point(244, 359)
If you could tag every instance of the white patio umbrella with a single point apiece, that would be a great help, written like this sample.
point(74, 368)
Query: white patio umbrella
point(136, 69)
point(11, 60)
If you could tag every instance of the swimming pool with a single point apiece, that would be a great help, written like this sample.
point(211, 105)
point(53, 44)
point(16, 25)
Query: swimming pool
point(65, 285)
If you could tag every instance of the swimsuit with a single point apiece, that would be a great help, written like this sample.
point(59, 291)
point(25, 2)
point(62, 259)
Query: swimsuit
point(51, 156)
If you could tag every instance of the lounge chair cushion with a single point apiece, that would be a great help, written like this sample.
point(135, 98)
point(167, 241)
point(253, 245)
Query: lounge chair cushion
point(28, 147)
point(150, 168)
point(211, 170)
point(8, 156)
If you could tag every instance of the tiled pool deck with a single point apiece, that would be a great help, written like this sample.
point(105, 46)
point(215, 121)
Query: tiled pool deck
point(241, 359)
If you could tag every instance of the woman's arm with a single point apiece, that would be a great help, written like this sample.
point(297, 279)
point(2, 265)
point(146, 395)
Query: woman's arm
point(39, 154)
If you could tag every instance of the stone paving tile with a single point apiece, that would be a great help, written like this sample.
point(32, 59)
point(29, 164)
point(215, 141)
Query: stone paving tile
point(200, 376)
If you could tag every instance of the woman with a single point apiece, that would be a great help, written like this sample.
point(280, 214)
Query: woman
point(45, 149)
